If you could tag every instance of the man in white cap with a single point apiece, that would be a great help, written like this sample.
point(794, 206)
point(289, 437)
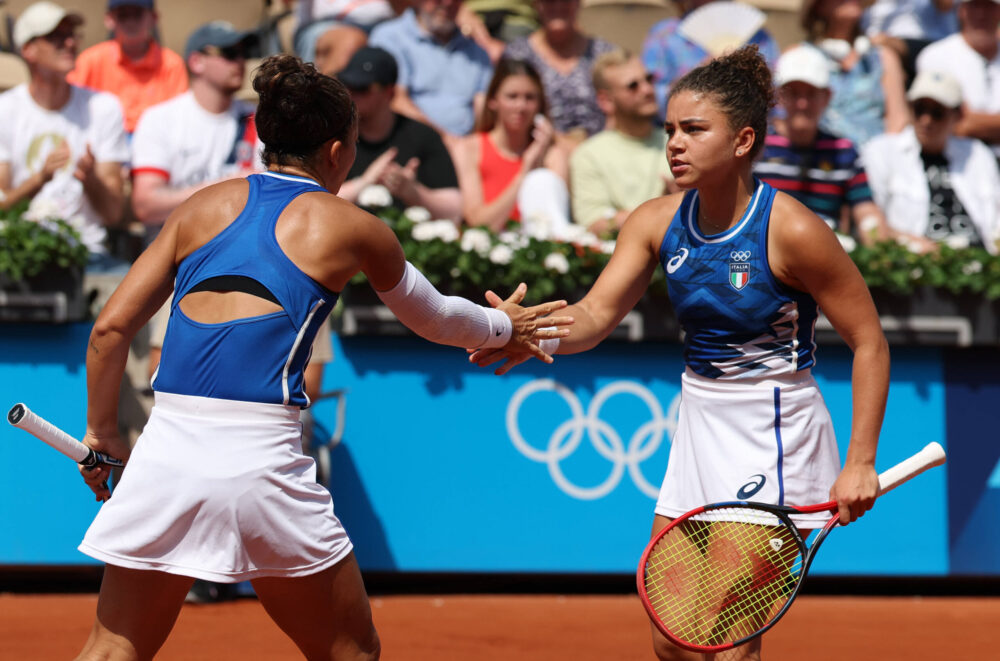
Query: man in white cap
point(972, 57)
point(61, 146)
point(931, 183)
point(821, 170)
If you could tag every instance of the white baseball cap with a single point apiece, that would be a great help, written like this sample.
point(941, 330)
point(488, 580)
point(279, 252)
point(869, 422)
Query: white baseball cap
point(938, 86)
point(803, 64)
point(40, 19)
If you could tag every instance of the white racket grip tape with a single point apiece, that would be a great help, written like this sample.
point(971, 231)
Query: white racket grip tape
point(24, 418)
point(932, 455)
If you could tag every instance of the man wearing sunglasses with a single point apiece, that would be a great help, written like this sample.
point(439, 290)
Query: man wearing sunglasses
point(616, 170)
point(131, 65)
point(821, 170)
point(930, 182)
point(61, 146)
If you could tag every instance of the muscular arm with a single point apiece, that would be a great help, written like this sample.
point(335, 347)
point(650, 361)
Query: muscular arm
point(806, 255)
point(624, 280)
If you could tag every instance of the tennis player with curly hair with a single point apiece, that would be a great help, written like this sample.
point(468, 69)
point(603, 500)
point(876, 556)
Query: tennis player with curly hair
point(747, 270)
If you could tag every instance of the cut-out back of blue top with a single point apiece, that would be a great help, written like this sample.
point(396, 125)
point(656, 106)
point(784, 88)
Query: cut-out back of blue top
point(256, 359)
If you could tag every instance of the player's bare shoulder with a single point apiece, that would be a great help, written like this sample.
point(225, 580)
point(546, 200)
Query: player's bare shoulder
point(649, 222)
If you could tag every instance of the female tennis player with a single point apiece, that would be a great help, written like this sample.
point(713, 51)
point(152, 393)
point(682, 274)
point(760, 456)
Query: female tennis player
point(746, 268)
point(217, 486)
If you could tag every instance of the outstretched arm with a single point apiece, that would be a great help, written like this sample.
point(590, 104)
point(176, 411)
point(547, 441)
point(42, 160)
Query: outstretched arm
point(619, 287)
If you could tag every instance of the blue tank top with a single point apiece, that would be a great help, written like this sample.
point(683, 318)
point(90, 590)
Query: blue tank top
point(739, 321)
point(256, 359)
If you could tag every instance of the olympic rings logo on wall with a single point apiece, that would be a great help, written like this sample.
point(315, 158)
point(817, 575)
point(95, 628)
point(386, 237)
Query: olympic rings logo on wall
point(605, 439)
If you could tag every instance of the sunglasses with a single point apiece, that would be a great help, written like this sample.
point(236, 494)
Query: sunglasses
point(231, 53)
point(634, 85)
point(59, 37)
point(935, 111)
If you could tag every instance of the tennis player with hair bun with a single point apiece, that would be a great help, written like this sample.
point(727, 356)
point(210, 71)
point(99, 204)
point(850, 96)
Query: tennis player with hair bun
point(217, 486)
point(747, 267)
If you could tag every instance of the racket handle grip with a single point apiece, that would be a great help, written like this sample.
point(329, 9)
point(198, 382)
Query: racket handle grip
point(932, 455)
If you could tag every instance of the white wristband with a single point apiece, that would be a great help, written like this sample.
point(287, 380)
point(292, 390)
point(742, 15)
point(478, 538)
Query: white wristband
point(501, 329)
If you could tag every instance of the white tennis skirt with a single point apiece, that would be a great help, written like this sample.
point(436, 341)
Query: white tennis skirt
point(770, 440)
point(219, 490)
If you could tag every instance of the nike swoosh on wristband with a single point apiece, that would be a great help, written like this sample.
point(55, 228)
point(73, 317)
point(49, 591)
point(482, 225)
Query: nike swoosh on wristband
point(675, 262)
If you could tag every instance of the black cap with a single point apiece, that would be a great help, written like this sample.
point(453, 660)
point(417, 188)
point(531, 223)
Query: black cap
point(369, 65)
point(145, 4)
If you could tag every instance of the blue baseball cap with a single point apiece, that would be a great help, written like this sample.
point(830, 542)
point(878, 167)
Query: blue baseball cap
point(115, 4)
point(221, 34)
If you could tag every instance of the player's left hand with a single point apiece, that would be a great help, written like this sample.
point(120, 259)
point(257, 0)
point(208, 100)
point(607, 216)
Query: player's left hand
point(855, 490)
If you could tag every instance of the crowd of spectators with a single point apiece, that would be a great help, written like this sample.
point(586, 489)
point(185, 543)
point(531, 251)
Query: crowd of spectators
point(488, 113)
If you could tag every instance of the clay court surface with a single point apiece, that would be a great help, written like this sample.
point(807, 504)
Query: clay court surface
point(530, 628)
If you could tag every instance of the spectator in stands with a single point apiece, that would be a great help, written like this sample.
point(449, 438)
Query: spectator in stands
point(867, 82)
point(819, 169)
point(316, 18)
point(402, 154)
point(564, 56)
point(621, 167)
point(496, 23)
point(511, 167)
point(668, 54)
point(442, 73)
point(61, 146)
point(200, 137)
point(906, 26)
point(335, 47)
point(932, 184)
point(973, 57)
point(131, 65)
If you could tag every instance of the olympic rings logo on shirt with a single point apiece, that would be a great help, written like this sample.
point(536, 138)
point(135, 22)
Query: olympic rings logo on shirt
point(605, 439)
point(740, 255)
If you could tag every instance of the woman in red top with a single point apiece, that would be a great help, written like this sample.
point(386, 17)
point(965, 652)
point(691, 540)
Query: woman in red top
point(514, 141)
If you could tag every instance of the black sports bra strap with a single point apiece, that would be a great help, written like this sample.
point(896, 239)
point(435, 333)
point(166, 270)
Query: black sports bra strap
point(239, 283)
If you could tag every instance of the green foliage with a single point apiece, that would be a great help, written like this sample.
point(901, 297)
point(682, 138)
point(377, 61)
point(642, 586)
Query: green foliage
point(28, 247)
point(454, 266)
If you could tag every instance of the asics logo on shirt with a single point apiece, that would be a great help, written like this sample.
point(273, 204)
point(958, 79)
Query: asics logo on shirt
point(675, 262)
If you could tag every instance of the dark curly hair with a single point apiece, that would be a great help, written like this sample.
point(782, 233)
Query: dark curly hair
point(300, 109)
point(740, 84)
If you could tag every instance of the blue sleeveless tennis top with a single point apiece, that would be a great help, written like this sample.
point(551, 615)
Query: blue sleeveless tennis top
point(739, 321)
point(257, 359)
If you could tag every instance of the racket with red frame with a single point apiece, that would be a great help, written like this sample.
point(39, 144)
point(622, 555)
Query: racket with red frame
point(723, 574)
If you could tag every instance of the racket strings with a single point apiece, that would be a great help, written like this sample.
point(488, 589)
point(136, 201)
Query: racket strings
point(718, 580)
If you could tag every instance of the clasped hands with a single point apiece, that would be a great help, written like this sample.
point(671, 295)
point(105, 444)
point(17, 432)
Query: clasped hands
point(531, 325)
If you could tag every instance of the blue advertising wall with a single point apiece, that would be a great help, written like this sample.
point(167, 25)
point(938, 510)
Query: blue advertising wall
point(446, 467)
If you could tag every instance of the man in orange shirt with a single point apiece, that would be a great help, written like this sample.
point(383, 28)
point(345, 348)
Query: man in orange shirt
point(131, 65)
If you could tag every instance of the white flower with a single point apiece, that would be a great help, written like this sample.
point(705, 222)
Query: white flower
point(608, 247)
point(455, 272)
point(515, 240)
point(374, 197)
point(42, 208)
point(588, 240)
point(847, 242)
point(916, 273)
point(478, 240)
point(538, 226)
point(570, 233)
point(556, 261)
point(417, 214)
point(910, 244)
point(444, 230)
point(501, 254)
point(974, 266)
point(957, 241)
point(869, 224)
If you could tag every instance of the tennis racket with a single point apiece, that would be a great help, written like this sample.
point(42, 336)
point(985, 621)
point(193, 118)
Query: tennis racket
point(723, 574)
point(24, 418)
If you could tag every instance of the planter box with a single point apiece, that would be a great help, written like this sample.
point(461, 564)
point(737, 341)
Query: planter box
point(52, 297)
